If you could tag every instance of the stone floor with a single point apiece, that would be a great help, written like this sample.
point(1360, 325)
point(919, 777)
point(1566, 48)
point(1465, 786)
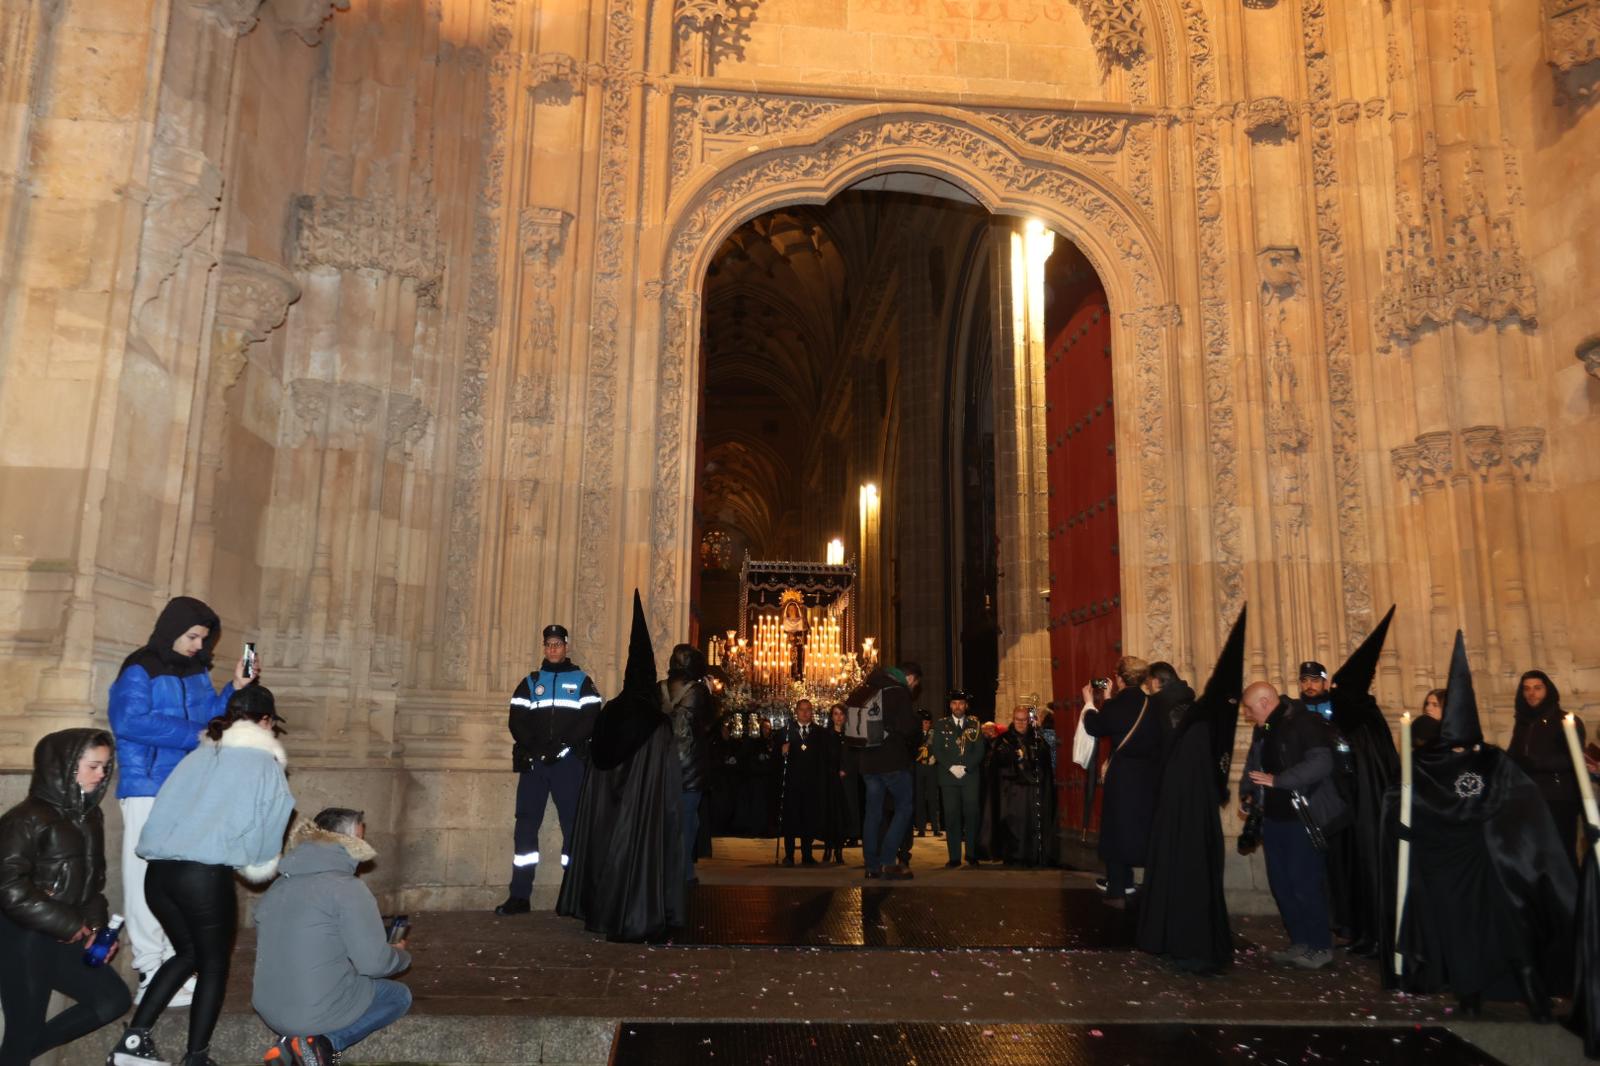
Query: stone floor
point(538, 989)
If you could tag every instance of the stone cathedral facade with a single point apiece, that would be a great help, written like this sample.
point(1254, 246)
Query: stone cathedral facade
point(376, 324)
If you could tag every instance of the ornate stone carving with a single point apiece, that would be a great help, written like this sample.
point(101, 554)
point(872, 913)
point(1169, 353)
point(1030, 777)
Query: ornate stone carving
point(595, 574)
point(1069, 134)
point(1446, 262)
point(1271, 118)
point(1572, 41)
point(887, 138)
point(305, 17)
point(353, 233)
point(253, 298)
point(482, 317)
point(1436, 459)
point(185, 194)
point(721, 27)
point(543, 232)
point(407, 423)
point(1524, 445)
point(1280, 272)
point(1334, 312)
point(1588, 354)
point(1117, 28)
point(1484, 448)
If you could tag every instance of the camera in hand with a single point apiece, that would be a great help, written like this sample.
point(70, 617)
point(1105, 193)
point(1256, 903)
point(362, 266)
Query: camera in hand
point(396, 928)
point(249, 658)
point(1250, 834)
point(1101, 683)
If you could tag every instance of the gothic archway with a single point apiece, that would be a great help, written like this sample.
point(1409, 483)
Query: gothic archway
point(1006, 176)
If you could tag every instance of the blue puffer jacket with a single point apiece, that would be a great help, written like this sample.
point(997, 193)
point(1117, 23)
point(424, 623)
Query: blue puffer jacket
point(157, 721)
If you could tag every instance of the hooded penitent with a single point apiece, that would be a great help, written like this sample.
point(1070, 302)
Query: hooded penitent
point(1183, 913)
point(626, 876)
point(1488, 913)
point(52, 844)
point(1355, 862)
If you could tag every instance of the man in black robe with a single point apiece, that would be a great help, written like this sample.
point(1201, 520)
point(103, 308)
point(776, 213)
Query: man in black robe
point(1025, 789)
point(1355, 863)
point(802, 750)
point(1183, 913)
point(1488, 913)
point(626, 879)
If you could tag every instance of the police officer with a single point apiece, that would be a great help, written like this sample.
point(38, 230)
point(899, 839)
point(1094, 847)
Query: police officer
point(552, 716)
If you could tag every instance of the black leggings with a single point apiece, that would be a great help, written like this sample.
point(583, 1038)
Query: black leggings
point(37, 964)
point(194, 903)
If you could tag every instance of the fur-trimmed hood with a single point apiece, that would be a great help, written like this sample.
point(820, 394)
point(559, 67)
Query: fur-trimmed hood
point(242, 734)
point(314, 850)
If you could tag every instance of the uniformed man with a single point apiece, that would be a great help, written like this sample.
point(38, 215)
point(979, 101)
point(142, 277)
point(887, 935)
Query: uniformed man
point(552, 717)
point(957, 747)
point(802, 748)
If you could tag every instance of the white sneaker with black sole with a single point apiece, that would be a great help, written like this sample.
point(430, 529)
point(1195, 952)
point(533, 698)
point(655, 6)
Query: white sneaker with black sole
point(136, 1048)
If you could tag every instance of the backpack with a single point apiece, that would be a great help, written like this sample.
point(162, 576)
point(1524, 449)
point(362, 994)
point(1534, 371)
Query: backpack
point(863, 718)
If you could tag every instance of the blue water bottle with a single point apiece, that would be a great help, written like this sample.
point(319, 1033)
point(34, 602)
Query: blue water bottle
point(100, 947)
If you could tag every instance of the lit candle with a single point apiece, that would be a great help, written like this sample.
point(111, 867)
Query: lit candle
point(1569, 725)
point(1403, 873)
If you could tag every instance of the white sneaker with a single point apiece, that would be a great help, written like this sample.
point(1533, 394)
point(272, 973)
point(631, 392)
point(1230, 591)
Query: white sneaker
point(185, 995)
point(145, 977)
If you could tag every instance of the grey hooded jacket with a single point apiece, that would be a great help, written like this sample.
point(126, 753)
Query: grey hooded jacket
point(320, 941)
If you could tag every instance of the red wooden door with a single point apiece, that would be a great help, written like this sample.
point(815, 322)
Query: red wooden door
point(1085, 585)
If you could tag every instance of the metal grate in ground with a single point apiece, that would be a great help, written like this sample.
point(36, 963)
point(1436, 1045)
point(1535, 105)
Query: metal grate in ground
point(921, 918)
point(791, 1044)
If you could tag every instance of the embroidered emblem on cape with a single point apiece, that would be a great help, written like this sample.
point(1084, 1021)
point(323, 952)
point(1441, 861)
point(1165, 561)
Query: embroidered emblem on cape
point(1469, 785)
point(538, 690)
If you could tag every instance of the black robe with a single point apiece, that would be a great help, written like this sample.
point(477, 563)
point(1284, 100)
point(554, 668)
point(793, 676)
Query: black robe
point(1183, 912)
point(1025, 799)
point(1585, 1018)
point(1491, 890)
point(626, 875)
point(1355, 865)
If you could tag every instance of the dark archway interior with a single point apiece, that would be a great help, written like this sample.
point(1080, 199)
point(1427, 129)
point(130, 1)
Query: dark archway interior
point(857, 343)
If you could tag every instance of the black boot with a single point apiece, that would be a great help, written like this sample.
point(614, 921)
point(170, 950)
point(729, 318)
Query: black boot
point(1534, 994)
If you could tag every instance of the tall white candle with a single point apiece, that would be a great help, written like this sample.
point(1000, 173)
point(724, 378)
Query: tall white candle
point(1569, 726)
point(1403, 874)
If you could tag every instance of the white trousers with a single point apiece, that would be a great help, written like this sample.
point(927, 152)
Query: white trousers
point(145, 938)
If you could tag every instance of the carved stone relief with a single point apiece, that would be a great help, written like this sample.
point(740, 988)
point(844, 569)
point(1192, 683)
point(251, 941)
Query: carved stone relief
point(185, 195)
point(1117, 28)
point(1428, 464)
point(1271, 118)
point(253, 298)
point(354, 233)
point(1355, 554)
point(928, 137)
point(1453, 261)
point(705, 32)
point(482, 318)
point(595, 574)
point(1588, 354)
point(1572, 43)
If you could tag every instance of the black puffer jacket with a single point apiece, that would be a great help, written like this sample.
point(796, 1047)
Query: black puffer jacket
point(52, 844)
point(688, 703)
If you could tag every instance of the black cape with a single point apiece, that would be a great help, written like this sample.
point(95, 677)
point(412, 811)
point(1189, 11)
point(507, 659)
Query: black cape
point(1355, 861)
point(1585, 1017)
point(1025, 800)
point(1183, 912)
point(1491, 890)
point(626, 875)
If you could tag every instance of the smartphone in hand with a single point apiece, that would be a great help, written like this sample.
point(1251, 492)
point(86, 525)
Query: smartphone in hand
point(397, 927)
point(249, 658)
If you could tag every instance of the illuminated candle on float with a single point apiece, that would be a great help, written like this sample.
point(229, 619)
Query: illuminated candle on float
point(1569, 725)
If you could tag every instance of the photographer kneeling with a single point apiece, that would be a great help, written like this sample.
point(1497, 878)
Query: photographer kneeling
point(321, 950)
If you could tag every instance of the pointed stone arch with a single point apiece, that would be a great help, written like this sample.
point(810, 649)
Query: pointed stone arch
point(1008, 178)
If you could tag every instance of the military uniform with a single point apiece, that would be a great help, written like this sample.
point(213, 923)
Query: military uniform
point(959, 743)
